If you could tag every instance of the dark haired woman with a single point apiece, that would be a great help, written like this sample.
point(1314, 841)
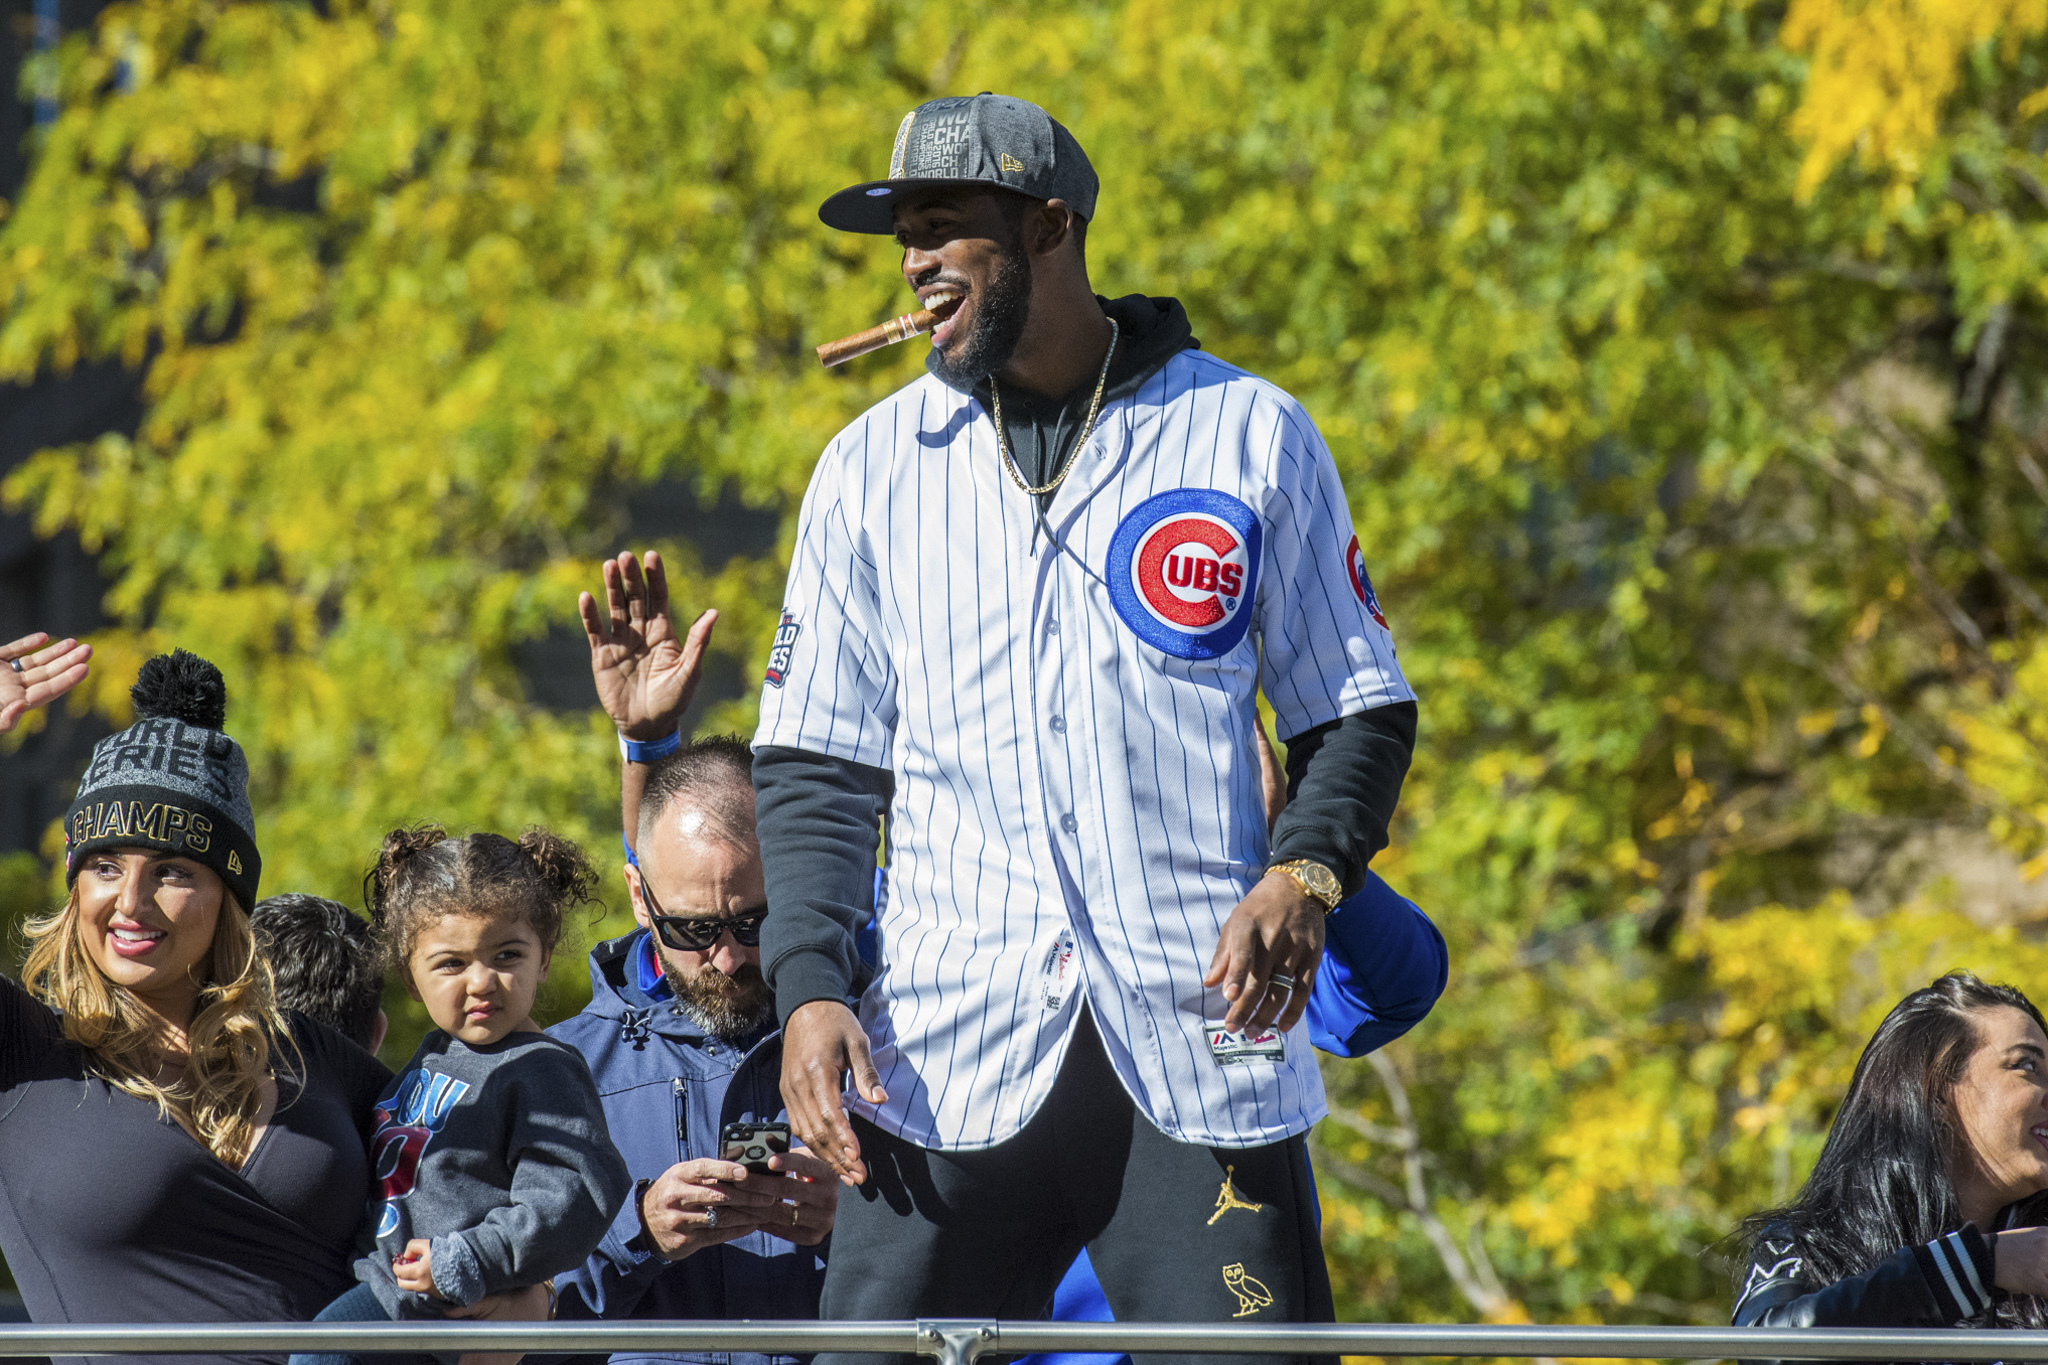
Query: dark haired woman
point(1921, 1209)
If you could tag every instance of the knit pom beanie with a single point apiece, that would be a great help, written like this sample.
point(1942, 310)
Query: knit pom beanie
point(171, 781)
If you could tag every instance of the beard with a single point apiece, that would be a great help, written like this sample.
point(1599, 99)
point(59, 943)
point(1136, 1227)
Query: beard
point(999, 318)
point(729, 1008)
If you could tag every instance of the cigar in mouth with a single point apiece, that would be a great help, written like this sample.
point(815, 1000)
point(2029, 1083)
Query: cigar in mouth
point(888, 334)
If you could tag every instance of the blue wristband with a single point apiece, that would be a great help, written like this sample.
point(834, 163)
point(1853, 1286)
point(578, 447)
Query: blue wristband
point(633, 751)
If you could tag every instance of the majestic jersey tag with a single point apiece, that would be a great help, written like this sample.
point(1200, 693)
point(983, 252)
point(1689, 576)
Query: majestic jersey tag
point(1183, 571)
point(1263, 1045)
point(1062, 970)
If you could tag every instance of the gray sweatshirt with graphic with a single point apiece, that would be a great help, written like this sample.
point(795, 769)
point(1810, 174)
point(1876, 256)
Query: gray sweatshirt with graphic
point(500, 1158)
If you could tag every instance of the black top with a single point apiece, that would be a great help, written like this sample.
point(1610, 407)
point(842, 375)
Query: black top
point(111, 1213)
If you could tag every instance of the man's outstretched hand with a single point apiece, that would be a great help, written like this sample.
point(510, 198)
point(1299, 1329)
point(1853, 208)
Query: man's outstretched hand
point(822, 1043)
point(46, 674)
point(645, 674)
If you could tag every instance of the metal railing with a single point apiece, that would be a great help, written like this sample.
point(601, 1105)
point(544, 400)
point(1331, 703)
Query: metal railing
point(960, 1342)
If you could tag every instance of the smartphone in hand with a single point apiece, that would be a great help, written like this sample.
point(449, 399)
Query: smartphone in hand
point(751, 1144)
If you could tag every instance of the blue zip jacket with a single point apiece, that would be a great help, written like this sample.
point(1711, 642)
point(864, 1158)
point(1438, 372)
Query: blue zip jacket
point(1384, 965)
point(668, 1091)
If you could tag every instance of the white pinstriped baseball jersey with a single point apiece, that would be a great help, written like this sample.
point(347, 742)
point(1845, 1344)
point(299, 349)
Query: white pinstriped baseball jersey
point(1070, 728)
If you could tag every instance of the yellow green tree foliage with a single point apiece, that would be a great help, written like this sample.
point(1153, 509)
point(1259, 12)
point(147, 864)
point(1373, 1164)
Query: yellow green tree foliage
point(1704, 496)
point(1883, 72)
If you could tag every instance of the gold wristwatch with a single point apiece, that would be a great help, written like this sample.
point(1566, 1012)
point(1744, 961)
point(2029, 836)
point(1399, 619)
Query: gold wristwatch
point(1315, 881)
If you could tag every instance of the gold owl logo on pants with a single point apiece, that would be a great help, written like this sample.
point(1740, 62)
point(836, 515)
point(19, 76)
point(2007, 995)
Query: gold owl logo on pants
point(1251, 1294)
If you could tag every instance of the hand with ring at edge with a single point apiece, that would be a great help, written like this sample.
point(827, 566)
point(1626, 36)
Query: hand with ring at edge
point(810, 1192)
point(645, 675)
point(36, 674)
point(1273, 938)
point(702, 1203)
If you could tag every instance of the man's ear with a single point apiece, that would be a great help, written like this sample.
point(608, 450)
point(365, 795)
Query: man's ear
point(1048, 227)
point(640, 916)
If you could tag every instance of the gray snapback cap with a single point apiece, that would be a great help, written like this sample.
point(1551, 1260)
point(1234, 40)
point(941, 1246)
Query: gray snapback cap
point(984, 141)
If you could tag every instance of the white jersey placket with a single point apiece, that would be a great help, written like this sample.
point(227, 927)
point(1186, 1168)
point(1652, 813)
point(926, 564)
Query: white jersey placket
point(1063, 711)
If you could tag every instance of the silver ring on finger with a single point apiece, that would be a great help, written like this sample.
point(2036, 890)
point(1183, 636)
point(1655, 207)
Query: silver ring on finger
point(711, 1218)
point(794, 1210)
point(1284, 981)
point(15, 664)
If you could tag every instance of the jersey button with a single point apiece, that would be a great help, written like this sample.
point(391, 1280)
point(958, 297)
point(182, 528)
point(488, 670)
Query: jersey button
point(1052, 627)
point(1069, 823)
point(1059, 725)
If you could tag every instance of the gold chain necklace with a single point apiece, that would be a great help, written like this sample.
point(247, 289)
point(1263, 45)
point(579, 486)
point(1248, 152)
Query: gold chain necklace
point(1094, 406)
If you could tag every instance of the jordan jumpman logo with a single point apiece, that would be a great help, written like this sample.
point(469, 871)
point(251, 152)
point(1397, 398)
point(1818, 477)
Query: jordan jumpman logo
point(1230, 1199)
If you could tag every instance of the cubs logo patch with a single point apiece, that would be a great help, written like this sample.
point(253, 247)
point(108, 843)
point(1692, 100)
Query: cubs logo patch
point(1361, 582)
point(1183, 568)
point(786, 631)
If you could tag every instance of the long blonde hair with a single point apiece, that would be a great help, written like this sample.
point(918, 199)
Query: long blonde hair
point(230, 1036)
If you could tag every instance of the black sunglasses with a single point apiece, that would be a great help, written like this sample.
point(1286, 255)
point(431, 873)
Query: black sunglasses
point(687, 935)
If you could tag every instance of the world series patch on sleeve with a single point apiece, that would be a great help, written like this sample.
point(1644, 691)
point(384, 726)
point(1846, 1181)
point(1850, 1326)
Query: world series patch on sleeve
point(780, 653)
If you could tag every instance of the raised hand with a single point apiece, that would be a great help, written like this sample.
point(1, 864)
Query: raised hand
point(645, 675)
point(44, 674)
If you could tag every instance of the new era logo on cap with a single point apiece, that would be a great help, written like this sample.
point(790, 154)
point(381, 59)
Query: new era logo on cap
point(984, 139)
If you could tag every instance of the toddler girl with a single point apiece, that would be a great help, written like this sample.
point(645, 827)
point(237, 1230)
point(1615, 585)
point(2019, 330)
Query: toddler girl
point(493, 1166)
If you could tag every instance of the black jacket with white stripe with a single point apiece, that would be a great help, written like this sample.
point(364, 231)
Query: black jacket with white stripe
point(1946, 1283)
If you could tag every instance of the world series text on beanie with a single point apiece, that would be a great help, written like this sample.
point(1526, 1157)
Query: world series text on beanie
point(171, 781)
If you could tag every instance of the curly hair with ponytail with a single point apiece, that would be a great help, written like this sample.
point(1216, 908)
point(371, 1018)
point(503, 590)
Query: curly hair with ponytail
point(424, 874)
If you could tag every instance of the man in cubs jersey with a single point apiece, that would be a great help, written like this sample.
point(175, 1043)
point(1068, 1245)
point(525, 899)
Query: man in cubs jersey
point(1033, 598)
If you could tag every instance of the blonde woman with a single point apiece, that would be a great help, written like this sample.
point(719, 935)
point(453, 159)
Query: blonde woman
point(172, 1147)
